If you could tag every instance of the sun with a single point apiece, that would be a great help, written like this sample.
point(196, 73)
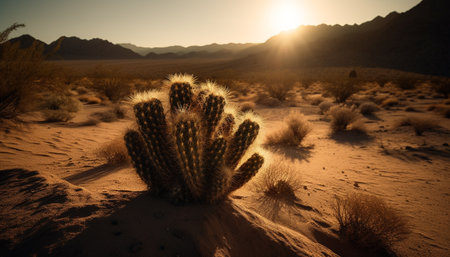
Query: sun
point(286, 16)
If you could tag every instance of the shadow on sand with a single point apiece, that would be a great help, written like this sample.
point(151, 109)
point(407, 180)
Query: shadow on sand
point(148, 226)
point(351, 137)
point(301, 153)
point(93, 173)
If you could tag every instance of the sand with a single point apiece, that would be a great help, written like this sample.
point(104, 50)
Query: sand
point(57, 197)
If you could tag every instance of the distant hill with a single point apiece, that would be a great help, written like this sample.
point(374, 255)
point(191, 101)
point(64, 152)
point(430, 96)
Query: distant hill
point(417, 40)
point(70, 48)
point(73, 48)
point(181, 50)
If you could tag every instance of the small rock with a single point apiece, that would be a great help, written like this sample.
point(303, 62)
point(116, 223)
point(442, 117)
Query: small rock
point(356, 184)
point(445, 144)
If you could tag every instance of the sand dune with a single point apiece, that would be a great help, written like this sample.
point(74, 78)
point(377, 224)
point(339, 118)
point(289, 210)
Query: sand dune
point(58, 197)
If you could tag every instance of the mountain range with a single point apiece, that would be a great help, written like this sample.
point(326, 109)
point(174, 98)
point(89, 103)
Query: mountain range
point(417, 40)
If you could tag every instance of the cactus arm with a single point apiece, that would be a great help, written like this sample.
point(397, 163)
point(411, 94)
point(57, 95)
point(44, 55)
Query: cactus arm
point(246, 171)
point(188, 149)
point(241, 140)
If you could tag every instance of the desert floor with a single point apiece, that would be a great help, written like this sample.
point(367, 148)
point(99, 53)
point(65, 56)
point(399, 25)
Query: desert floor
point(58, 197)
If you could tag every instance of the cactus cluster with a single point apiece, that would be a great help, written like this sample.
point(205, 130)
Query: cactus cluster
point(194, 152)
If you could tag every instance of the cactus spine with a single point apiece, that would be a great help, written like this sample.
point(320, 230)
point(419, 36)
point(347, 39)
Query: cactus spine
point(191, 153)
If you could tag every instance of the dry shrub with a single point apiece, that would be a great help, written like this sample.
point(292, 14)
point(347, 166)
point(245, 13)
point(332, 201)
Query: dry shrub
point(114, 88)
point(279, 91)
point(389, 102)
point(57, 115)
point(316, 100)
point(247, 106)
point(81, 90)
point(59, 107)
point(114, 152)
point(113, 114)
point(419, 124)
point(342, 90)
point(19, 68)
point(279, 180)
point(369, 221)
point(277, 188)
point(267, 100)
point(368, 108)
point(292, 134)
point(342, 117)
point(358, 126)
point(325, 106)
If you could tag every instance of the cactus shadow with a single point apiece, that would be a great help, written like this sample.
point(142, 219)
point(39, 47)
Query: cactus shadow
point(93, 173)
point(149, 226)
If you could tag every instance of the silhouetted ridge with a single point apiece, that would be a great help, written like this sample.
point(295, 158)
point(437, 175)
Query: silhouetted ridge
point(75, 48)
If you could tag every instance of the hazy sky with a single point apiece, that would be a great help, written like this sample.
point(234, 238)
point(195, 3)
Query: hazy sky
point(183, 22)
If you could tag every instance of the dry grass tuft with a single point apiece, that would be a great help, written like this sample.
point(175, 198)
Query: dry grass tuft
point(247, 106)
point(279, 181)
point(368, 108)
point(295, 130)
point(325, 106)
point(419, 124)
point(316, 100)
point(342, 117)
point(342, 90)
point(369, 221)
point(114, 152)
point(277, 188)
point(117, 112)
point(59, 107)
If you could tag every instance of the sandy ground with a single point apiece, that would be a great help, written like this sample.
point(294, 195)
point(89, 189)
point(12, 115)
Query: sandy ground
point(58, 197)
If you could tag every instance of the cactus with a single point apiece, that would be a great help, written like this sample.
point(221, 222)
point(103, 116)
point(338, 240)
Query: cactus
point(191, 153)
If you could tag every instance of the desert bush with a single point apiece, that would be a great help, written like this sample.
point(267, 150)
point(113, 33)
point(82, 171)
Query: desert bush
point(114, 152)
point(59, 107)
point(369, 221)
point(358, 126)
point(194, 152)
point(247, 106)
point(341, 117)
point(389, 102)
point(278, 91)
point(114, 88)
point(19, 67)
point(81, 90)
point(316, 100)
point(342, 90)
point(419, 124)
point(368, 108)
point(113, 114)
point(264, 99)
point(325, 106)
point(278, 181)
point(292, 134)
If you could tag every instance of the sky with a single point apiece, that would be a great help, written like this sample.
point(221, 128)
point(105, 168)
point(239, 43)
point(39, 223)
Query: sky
point(157, 23)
